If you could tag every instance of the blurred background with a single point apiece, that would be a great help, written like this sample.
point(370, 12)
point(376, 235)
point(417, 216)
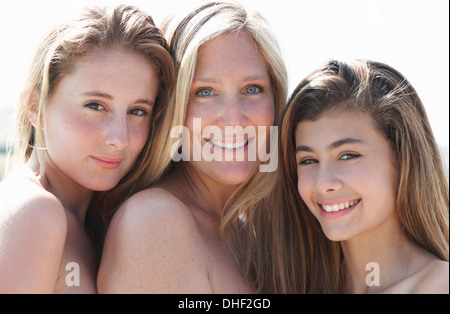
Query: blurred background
point(410, 35)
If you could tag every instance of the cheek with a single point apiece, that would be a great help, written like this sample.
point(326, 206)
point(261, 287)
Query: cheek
point(198, 110)
point(303, 185)
point(263, 114)
point(197, 118)
point(70, 130)
point(385, 183)
point(138, 137)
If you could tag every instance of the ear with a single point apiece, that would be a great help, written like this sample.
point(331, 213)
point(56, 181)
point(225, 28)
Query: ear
point(33, 109)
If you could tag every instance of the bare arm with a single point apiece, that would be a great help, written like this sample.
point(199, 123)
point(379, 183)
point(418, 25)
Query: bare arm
point(153, 246)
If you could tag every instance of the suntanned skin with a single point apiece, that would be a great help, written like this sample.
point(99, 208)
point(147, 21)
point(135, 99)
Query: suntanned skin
point(342, 156)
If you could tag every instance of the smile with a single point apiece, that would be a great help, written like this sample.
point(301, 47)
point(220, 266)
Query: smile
point(339, 206)
point(229, 145)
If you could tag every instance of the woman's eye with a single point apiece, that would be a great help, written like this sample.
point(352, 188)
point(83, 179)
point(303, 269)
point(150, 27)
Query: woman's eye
point(204, 92)
point(308, 161)
point(138, 112)
point(94, 106)
point(253, 89)
point(349, 156)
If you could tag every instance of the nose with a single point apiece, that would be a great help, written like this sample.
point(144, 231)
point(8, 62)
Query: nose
point(233, 113)
point(327, 180)
point(117, 132)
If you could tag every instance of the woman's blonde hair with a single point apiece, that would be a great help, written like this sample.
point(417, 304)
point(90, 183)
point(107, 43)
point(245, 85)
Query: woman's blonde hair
point(384, 93)
point(251, 215)
point(125, 27)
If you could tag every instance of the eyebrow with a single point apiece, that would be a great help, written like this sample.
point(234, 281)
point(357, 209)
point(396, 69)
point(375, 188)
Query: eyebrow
point(334, 145)
point(255, 77)
point(109, 97)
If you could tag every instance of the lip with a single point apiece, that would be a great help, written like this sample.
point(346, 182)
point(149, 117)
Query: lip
point(108, 162)
point(340, 212)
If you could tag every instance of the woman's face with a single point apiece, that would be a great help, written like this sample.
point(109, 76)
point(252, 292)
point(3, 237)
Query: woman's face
point(231, 108)
point(346, 174)
point(98, 117)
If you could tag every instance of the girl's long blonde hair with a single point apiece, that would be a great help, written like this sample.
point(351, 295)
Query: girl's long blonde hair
point(125, 27)
point(253, 215)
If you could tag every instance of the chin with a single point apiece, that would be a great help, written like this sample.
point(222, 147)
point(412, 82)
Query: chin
point(102, 185)
point(235, 174)
point(232, 180)
point(334, 235)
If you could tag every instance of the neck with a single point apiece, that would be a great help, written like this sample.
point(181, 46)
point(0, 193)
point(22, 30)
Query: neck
point(377, 259)
point(204, 193)
point(72, 196)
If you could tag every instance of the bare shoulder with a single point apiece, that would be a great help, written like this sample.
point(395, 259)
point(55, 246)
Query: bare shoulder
point(33, 229)
point(27, 202)
point(156, 208)
point(153, 227)
point(150, 215)
point(433, 278)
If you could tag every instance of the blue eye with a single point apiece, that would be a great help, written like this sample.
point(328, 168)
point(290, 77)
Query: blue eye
point(308, 161)
point(349, 156)
point(204, 92)
point(253, 89)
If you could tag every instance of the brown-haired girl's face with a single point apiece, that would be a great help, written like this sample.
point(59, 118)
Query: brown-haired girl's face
point(97, 119)
point(346, 174)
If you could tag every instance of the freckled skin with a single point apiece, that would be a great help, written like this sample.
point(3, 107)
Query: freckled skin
point(96, 110)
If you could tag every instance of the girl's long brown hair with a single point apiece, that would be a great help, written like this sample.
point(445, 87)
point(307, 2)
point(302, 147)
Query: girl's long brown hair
point(384, 93)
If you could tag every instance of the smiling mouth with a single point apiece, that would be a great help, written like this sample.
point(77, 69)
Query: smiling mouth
point(228, 145)
point(339, 206)
point(231, 142)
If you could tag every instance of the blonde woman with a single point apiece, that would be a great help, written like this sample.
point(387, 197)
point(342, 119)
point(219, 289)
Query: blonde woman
point(360, 153)
point(95, 99)
point(213, 225)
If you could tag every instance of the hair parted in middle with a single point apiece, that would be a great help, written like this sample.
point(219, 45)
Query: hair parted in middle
point(252, 216)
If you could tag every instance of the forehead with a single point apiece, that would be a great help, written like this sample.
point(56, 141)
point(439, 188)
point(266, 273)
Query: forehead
point(335, 125)
point(231, 52)
point(103, 66)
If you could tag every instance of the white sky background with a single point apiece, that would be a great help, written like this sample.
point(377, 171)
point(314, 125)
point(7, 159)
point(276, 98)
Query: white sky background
point(410, 35)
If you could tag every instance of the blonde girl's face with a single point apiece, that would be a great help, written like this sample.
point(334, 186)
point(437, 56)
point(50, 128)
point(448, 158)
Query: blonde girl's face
point(231, 95)
point(346, 174)
point(97, 119)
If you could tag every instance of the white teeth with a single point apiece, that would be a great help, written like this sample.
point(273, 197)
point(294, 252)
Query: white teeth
point(339, 206)
point(230, 145)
